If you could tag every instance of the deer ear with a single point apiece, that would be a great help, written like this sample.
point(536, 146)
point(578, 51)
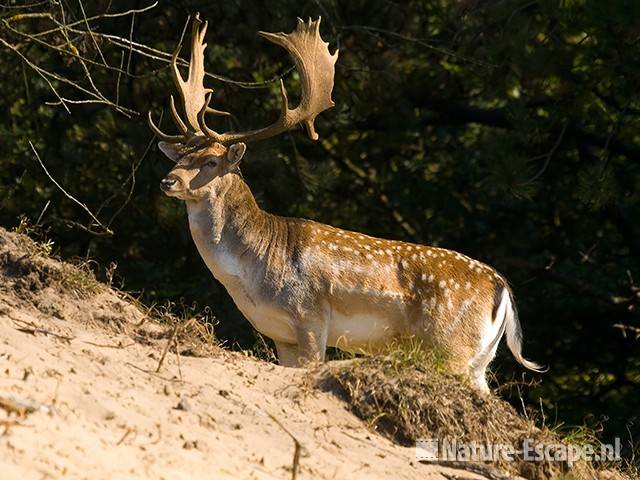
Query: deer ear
point(172, 150)
point(235, 153)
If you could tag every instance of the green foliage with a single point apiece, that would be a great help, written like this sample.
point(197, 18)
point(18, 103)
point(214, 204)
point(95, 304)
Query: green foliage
point(506, 130)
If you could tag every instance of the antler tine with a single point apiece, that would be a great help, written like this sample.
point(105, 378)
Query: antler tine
point(316, 66)
point(214, 136)
point(176, 118)
point(160, 134)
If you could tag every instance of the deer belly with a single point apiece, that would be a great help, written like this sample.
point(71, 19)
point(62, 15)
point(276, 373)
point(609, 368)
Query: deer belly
point(364, 328)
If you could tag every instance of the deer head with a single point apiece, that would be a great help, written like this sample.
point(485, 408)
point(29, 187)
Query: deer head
point(201, 154)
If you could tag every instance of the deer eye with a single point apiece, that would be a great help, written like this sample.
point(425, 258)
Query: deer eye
point(212, 161)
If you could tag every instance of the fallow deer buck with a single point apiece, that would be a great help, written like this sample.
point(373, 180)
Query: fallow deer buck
point(307, 285)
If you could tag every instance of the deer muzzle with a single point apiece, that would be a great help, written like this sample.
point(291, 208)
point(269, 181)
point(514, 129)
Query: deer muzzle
point(170, 183)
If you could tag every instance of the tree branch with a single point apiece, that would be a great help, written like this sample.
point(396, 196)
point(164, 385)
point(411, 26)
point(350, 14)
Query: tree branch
point(624, 303)
point(453, 113)
point(627, 228)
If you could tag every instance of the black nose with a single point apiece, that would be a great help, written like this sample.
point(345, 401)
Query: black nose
point(167, 183)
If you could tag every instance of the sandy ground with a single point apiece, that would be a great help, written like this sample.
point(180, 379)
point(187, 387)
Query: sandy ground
point(103, 412)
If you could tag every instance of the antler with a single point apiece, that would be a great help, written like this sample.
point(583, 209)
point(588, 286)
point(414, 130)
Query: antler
point(192, 91)
point(316, 67)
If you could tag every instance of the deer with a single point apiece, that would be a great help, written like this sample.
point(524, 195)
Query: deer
point(307, 285)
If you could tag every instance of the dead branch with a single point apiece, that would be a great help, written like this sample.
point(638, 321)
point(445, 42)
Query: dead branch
point(12, 407)
point(151, 372)
point(87, 27)
point(171, 340)
point(28, 327)
point(177, 343)
point(98, 223)
point(626, 303)
point(22, 408)
point(7, 424)
point(298, 447)
point(128, 432)
point(67, 49)
point(477, 468)
point(119, 345)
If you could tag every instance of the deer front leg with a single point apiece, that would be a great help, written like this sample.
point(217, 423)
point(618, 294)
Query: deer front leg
point(311, 346)
point(288, 355)
point(312, 341)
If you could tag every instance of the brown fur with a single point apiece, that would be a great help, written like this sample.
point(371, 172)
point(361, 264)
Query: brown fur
point(315, 273)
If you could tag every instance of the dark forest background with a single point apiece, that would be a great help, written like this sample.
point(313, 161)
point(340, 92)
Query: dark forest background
point(508, 130)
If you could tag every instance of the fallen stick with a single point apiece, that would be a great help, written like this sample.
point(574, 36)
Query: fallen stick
point(151, 372)
point(126, 434)
point(298, 447)
point(105, 345)
point(21, 408)
point(33, 329)
point(172, 338)
point(11, 423)
point(473, 467)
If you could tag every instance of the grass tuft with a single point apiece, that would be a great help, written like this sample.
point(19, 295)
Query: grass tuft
point(406, 396)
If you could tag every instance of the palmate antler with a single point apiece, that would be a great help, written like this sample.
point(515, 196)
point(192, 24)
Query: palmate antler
point(315, 65)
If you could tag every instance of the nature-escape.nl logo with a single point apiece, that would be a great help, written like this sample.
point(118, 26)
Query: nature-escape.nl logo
point(530, 451)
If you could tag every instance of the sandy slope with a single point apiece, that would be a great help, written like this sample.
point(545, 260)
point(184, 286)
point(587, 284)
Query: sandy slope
point(104, 413)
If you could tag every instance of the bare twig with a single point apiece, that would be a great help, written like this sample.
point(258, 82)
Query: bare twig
point(22, 408)
point(548, 156)
point(92, 91)
point(64, 51)
point(128, 432)
point(27, 327)
point(177, 344)
point(478, 468)
point(7, 424)
point(119, 345)
point(131, 11)
point(443, 51)
point(298, 447)
point(90, 19)
point(26, 16)
point(98, 223)
point(151, 372)
point(171, 340)
point(44, 209)
point(43, 73)
point(93, 39)
point(94, 94)
point(628, 303)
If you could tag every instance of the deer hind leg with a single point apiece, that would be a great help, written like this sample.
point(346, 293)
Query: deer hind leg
point(490, 339)
point(479, 363)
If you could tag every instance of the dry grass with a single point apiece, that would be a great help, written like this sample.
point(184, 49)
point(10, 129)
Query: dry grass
point(193, 330)
point(32, 276)
point(27, 268)
point(404, 398)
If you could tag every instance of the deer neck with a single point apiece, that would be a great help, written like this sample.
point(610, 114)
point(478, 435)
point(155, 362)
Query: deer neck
point(228, 227)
